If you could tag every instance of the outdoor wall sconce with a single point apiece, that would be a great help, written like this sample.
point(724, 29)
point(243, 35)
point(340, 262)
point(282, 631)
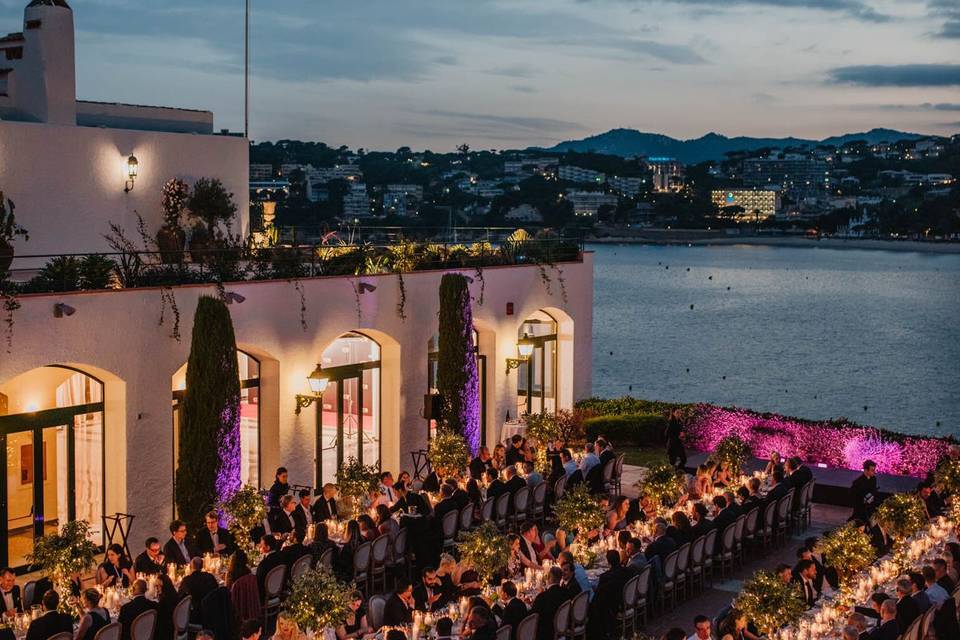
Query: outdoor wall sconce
point(318, 384)
point(524, 352)
point(366, 287)
point(230, 297)
point(60, 309)
point(133, 166)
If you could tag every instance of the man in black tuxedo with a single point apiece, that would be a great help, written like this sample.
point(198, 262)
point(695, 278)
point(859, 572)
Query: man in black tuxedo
point(704, 524)
point(139, 604)
point(732, 505)
point(607, 597)
point(513, 611)
point(151, 561)
point(398, 610)
point(409, 500)
point(178, 550)
point(281, 520)
point(548, 601)
point(10, 592)
point(931, 500)
point(907, 608)
point(270, 558)
point(514, 483)
point(889, 628)
point(515, 450)
point(806, 573)
point(325, 508)
point(799, 473)
point(859, 622)
point(662, 545)
point(726, 516)
point(780, 487)
point(445, 506)
point(430, 594)
point(495, 486)
point(197, 584)
point(303, 512)
point(52, 621)
point(215, 539)
point(943, 578)
point(864, 492)
point(480, 464)
point(804, 554)
point(604, 450)
point(460, 497)
point(293, 550)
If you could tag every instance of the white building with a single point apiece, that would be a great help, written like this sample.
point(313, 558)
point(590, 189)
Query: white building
point(588, 203)
point(666, 174)
point(356, 202)
point(626, 186)
point(524, 213)
point(757, 203)
point(66, 163)
point(261, 172)
point(526, 167)
point(571, 173)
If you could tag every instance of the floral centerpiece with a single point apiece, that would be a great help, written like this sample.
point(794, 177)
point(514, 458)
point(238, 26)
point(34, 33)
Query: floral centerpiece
point(318, 602)
point(355, 480)
point(486, 550)
point(448, 453)
point(901, 515)
point(661, 483)
point(948, 477)
point(579, 511)
point(244, 510)
point(63, 555)
point(848, 550)
point(769, 602)
point(733, 452)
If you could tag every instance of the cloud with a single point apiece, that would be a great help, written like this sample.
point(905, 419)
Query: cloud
point(675, 53)
point(523, 88)
point(949, 12)
point(901, 75)
point(765, 98)
point(926, 106)
point(520, 123)
point(856, 9)
point(513, 71)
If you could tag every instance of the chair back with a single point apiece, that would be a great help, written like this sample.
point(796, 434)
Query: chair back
point(561, 619)
point(181, 617)
point(607, 474)
point(326, 558)
point(520, 500)
point(361, 559)
point(579, 607)
point(273, 582)
point(913, 630)
point(643, 582)
point(630, 593)
point(618, 467)
point(559, 487)
point(29, 591)
point(504, 633)
point(502, 506)
point(400, 545)
point(783, 506)
point(527, 628)
point(696, 551)
point(63, 635)
point(380, 549)
point(375, 612)
point(300, 566)
point(711, 542)
point(729, 535)
point(450, 524)
point(486, 511)
point(750, 527)
point(740, 523)
point(683, 557)
point(769, 513)
point(926, 621)
point(466, 517)
point(108, 632)
point(245, 598)
point(143, 625)
point(670, 565)
point(539, 495)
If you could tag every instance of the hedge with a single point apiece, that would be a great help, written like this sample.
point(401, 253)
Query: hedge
point(626, 405)
point(632, 429)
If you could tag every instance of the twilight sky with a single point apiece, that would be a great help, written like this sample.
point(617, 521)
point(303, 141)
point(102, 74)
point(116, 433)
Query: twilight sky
point(433, 73)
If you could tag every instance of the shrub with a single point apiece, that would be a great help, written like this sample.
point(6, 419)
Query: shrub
point(626, 405)
point(638, 429)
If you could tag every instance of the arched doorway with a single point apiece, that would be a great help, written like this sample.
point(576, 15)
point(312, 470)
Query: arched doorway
point(249, 368)
point(349, 412)
point(433, 354)
point(537, 376)
point(52, 436)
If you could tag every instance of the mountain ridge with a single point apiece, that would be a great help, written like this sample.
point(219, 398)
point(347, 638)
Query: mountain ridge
point(711, 146)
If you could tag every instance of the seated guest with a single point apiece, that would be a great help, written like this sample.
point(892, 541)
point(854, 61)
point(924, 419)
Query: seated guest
point(775, 462)
point(889, 627)
point(343, 559)
point(569, 466)
point(533, 476)
point(513, 610)
point(387, 489)
point(703, 523)
point(408, 501)
point(731, 499)
point(515, 450)
point(278, 489)
point(293, 550)
point(589, 460)
point(115, 570)
point(94, 616)
point(213, 538)
point(529, 541)
point(480, 624)
point(579, 573)
point(325, 508)
point(499, 459)
point(480, 463)
point(932, 501)
point(368, 528)
point(918, 591)
point(604, 449)
point(137, 605)
point(662, 545)
point(398, 610)
point(303, 512)
point(859, 622)
point(495, 486)
point(806, 576)
point(725, 517)
point(681, 531)
point(569, 580)
point(549, 600)
point(269, 558)
point(459, 496)
point(52, 621)
point(907, 608)
point(804, 553)
point(281, 520)
point(430, 594)
point(386, 525)
point(943, 575)
point(151, 561)
point(722, 476)
point(514, 482)
point(634, 556)
point(445, 506)
point(250, 630)
point(936, 594)
point(784, 572)
point(178, 550)
point(197, 584)
point(237, 567)
point(880, 540)
point(617, 515)
point(798, 474)
point(701, 628)
point(608, 597)
point(355, 625)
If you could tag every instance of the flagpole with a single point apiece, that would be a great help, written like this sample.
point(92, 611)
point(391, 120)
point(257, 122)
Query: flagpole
point(246, 71)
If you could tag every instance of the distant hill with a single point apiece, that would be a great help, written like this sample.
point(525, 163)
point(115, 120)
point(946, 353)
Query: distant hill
point(713, 146)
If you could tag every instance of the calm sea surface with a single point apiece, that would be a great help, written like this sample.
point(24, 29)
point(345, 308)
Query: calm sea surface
point(818, 333)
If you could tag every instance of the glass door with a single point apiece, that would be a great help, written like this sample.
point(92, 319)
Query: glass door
point(21, 472)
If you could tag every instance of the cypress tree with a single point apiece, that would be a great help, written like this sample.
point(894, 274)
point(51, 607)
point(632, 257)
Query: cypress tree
point(457, 379)
point(208, 462)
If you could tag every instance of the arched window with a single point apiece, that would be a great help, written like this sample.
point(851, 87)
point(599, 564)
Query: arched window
point(537, 377)
point(433, 354)
point(51, 432)
point(348, 420)
point(249, 416)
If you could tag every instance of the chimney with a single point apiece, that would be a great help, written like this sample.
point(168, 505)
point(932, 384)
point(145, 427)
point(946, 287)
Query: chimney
point(46, 76)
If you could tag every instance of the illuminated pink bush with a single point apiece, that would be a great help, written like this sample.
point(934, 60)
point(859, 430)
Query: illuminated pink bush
point(836, 443)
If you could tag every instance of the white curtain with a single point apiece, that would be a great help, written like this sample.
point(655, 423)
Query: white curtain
point(88, 453)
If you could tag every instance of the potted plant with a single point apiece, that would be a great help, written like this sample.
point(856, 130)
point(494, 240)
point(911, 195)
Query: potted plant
point(210, 204)
point(9, 230)
point(64, 554)
point(171, 238)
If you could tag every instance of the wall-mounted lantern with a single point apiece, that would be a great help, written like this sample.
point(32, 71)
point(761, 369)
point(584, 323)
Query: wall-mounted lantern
point(524, 353)
point(133, 167)
point(318, 382)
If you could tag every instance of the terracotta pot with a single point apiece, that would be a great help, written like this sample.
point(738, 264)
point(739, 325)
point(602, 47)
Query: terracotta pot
point(171, 242)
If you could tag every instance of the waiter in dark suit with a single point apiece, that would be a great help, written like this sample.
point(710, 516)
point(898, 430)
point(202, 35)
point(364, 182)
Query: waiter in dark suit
point(129, 612)
point(178, 550)
point(52, 621)
point(12, 602)
point(325, 508)
point(215, 539)
point(864, 492)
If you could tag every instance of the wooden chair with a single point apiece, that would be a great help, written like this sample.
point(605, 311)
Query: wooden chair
point(29, 594)
point(561, 621)
point(559, 487)
point(361, 567)
point(750, 529)
point(783, 519)
point(504, 633)
point(521, 502)
point(449, 527)
point(527, 629)
point(465, 522)
point(626, 616)
point(400, 560)
point(63, 635)
point(579, 608)
point(144, 625)
point(375, 612)
point(538, 506)
point(643, 590)
point(695, 571)
point(181, 618)
point(486, 511)
point(683, 567)
point(326, 559)
point(805, 515)
point(767, 526)
point(501, 508)
point(379, 556)
point(741, 523)
point(709, 563)
point(667, 589)
point(618, 475)
point(272, 592)
point(108, 632)
point(725, 557)
point(300, 566)
point(606, 475)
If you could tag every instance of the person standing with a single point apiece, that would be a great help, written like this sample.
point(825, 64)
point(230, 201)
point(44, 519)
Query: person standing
point(864, 490)
point(675, 450)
